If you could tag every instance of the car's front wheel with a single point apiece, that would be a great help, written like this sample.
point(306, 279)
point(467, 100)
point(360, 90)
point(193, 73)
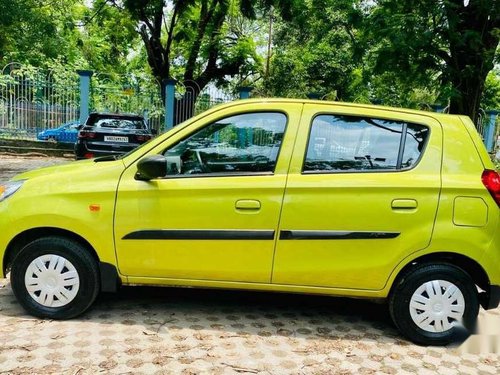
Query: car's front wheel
point(434, 304)
point(54, 277)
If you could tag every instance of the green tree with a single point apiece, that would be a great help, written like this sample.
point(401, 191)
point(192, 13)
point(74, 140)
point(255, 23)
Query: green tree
point(319, 51)
point(438, 41)
point(491, 94)
point(194, 42)
point(24, 29)
point(107, 40)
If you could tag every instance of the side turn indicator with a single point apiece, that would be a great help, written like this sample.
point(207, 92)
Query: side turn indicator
point(95, 207)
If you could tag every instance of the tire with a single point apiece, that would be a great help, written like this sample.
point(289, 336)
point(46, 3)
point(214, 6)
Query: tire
point(428, 310)
point(54, 277)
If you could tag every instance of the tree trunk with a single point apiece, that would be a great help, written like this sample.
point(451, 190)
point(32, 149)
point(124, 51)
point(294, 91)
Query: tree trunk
point(472, 49)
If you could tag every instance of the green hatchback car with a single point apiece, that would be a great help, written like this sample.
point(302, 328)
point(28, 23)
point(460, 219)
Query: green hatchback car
point(278, 195)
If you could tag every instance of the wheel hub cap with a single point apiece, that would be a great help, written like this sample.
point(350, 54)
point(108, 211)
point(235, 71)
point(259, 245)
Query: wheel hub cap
point(437, 306)
point(52, 280)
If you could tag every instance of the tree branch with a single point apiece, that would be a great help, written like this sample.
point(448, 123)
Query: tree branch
point(205, 18)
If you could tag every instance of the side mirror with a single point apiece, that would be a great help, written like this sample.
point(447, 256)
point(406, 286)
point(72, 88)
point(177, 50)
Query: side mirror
point(151, 167)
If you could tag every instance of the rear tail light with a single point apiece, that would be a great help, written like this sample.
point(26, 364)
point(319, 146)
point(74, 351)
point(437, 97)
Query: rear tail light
point(86, 135)
point(142, 138)
point(88, 155)
point(491, 180)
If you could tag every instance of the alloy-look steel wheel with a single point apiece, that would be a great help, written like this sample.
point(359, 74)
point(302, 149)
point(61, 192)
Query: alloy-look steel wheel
point(52, 280)
point(434, 304)
point(55, 277)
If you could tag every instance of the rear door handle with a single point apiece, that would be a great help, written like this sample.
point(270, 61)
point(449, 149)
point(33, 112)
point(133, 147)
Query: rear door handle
point(247, 204)
point(404, 204)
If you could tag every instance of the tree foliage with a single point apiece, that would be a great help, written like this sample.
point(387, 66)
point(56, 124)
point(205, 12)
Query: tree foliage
point(24, 30)
point(442, 41)
point(196, 42)
point(402, 52)
point(319, 51)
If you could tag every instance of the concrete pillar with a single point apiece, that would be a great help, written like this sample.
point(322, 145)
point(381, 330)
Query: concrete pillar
point(490, 130)
point(245, 92)
point(85, 76)
point(169, 103)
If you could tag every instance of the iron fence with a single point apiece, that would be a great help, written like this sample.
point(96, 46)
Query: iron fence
point(191, 100)
point(34, 99)
point(128, 94)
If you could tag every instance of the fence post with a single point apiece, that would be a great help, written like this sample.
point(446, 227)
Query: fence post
point(489, 134)
point(245, 92)
point(169, 103)
point(85, 76)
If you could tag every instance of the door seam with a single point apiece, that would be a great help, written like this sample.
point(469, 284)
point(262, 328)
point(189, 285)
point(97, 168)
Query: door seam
point(278, 228)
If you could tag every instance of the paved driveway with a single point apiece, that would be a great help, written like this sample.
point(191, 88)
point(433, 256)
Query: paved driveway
point(186, 331)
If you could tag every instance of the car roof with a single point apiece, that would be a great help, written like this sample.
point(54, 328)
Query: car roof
point(436, 115)
point(116, 115)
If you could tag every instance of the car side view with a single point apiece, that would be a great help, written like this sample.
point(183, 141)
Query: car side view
point(66, 133)
point(280, 195)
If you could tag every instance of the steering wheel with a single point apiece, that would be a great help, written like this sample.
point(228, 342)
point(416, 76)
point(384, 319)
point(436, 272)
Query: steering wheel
point(203, 167)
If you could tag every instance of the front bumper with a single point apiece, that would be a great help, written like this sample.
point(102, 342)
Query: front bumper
point(492, 299)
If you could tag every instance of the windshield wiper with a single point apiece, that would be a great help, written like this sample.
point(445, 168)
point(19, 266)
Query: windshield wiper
point(105, 158)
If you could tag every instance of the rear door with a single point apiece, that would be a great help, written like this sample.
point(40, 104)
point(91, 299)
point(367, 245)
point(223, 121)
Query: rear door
point(362, 193)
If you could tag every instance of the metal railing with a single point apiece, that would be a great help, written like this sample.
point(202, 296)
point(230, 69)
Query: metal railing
point(190, 100)
point(33, 99)
point(128, 94)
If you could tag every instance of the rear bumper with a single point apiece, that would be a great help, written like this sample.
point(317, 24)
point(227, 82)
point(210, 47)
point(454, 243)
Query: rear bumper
point(492, 301)
point(82, 148)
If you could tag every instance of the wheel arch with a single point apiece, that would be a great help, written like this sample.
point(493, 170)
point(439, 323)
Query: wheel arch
point(468, 265)
point(109, 275)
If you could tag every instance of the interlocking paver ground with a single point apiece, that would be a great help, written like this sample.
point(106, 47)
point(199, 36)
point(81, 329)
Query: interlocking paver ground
point(185, 331)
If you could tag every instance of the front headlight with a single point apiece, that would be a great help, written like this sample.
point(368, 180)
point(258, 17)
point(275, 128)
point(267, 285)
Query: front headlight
point(9, 188)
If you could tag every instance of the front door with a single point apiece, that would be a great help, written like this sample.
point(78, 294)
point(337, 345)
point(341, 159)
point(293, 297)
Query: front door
point(362, 194)
point(214, 216)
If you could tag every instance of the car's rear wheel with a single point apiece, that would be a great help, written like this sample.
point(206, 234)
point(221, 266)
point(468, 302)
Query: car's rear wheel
point(55, 278)
point(434, 304)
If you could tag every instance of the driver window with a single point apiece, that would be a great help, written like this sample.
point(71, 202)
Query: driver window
point(238, 144)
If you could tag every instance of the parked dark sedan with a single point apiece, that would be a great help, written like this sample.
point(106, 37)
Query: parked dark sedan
point(110, 134)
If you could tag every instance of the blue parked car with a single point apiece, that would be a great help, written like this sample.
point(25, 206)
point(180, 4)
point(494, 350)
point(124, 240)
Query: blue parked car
point(67, 132)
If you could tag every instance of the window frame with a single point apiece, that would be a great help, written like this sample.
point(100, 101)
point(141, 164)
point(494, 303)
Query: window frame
point(400, 151)
point(228, 174)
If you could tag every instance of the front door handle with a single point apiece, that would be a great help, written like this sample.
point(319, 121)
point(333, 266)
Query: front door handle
point(247, 204)
point(404, 204)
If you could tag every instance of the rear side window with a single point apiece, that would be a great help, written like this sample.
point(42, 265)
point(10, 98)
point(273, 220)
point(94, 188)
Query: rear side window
point(340, 143)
